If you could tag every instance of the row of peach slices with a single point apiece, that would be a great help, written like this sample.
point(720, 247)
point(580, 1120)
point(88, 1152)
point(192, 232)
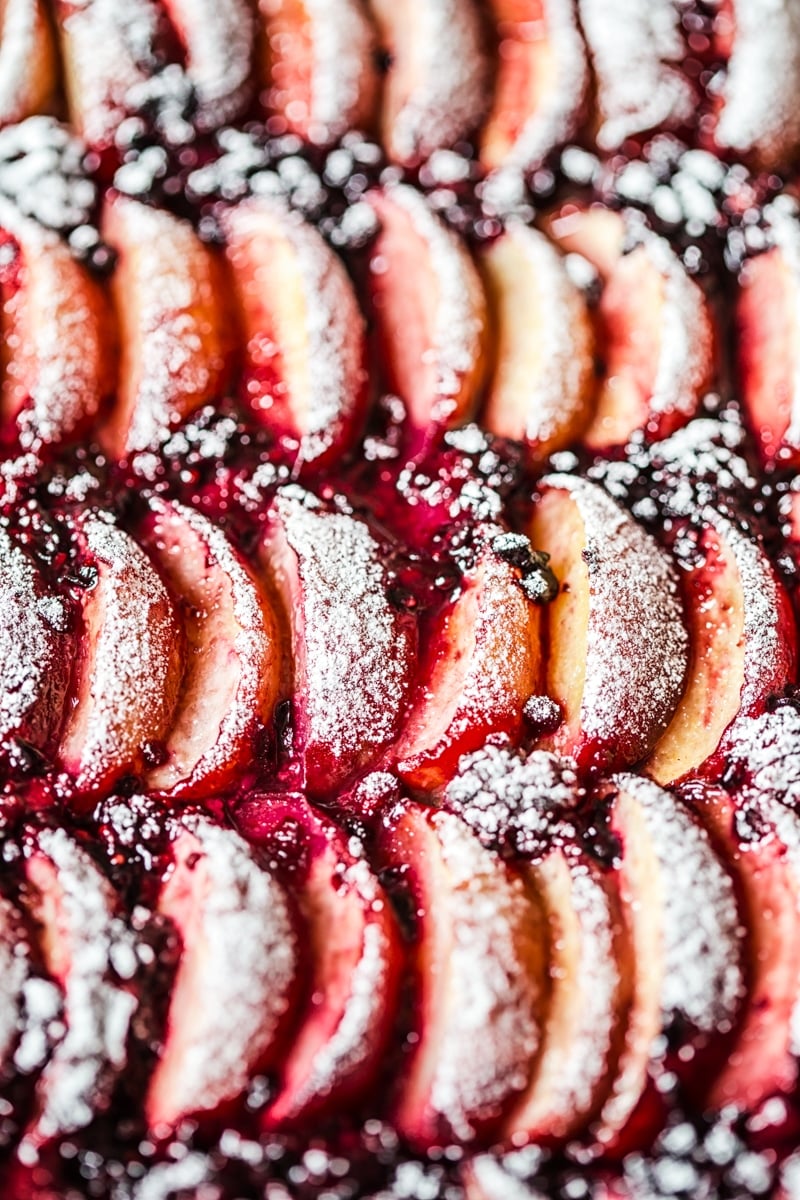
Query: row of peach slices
point(314, 63)
point(647, 664)
point(544, 989)
point(275, 317)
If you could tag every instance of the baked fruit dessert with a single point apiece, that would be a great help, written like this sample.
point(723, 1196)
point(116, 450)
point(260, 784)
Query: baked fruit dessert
point(399, 553)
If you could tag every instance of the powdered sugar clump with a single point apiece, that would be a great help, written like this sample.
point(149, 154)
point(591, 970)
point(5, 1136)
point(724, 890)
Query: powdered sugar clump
point(510, 800)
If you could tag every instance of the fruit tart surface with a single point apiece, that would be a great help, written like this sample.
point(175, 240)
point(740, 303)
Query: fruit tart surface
point(399, 552)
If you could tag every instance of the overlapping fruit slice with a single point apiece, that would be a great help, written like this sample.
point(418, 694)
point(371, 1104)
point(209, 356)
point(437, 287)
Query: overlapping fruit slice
point(430, 311)
point(435, 93)
point(237, 977)
point(615, 630)
point(129, 670)
point(686, 931)
point(319, 64)
point(352, 651)
point(233, 654)
point(305, 372)
point(636, 49)
point(542, 387)
point(481, 972)
point(347, 1012)
point(767, 320)
point(591, 977)
point(27, 60)
point(655, 336)
point(743, 646)
point(175, 333)
point(90, 953)
point(540, 82)
point(482, 664)
point(218, 38)
point(56, 359)
point(36, 649)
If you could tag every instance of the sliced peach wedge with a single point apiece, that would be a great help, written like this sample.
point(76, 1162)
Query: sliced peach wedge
point(319, 65)
point(743, 647)
point(129, 669)
point(483, 664)
point(90, 954)
point(352, 651)
point(481, 976)
point(761, 1061)
point(541, 82)
point(591, 975)
point(57, 351)
point(175, 334)
point(436, 91)
point(636, 50)
point(28, 68)
point(348, 1009)
point(237, 977)
point(305, 372)
point(233, 652)
point(655, 336)
point(541, 390)
point(668, 872)
point(218, 37)
point(616, 631)
point(37, 646)
point(432, 323)
point(767, 324)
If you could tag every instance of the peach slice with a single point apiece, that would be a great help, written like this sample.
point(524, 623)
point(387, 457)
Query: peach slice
point(129, 671)
point(352, 651)
point(767, 326)
point(636, 50)
point(305, 371)
point(104, 49)
point(237, 977)
point(320, 68)
point(36, 649)
point(56, 337)
point(743, 648)
point(481, 969)
point(233, 665)
point(542, 388)
point(655, 335)
point(436, 89)
point(540, 86)
point(484, 662)
point(761, 1061)
point(756, 116)
point(175, 336)
point(28, 67)
point(616, 632)
point(355, 957)
point(591, 978)
point(91, 955)
point(218, 36)
point(686, 931)
point(430, 311)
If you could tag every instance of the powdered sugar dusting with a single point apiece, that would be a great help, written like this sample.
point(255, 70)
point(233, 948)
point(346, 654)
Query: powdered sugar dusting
point(235, 976)
point(24, 59)
point(32, 642)
point(219, 37)
point(702, 931)
point(637, 643)
point(767, 749)
point(351, 652)
point(492, 1033)
point(759, 113)
point(14, 972)
point(446, 77)
point(232, 659)
point(342, 46)
point(460, 318)
point(634, 46)
point(77, 1081)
